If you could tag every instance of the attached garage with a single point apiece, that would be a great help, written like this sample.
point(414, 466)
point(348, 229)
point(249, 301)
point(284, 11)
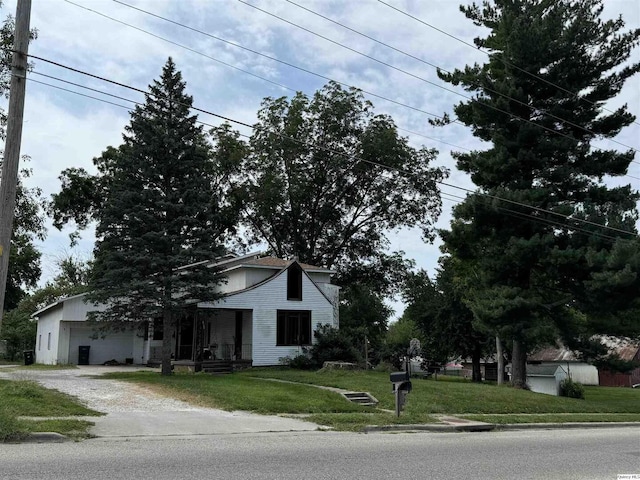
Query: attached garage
point(116, 346)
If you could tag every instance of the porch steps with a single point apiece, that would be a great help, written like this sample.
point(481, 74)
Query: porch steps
point(361, 398)
point(217, 367)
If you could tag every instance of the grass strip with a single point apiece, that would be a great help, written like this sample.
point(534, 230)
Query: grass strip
point(24, 398)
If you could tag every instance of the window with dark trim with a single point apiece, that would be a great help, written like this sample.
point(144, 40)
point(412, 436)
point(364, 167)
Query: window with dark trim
point(294, 327)
point(294, 282)
point(158, 329)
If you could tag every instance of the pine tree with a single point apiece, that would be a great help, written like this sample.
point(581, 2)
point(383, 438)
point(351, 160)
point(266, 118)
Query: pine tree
point(532, 270)
point(159, 214)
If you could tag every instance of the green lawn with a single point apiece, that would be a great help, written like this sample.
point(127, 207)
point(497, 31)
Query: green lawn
point(252, 391)
point(23, 398)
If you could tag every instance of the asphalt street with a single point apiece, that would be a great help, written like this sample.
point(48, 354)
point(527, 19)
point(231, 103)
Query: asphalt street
point(535, 454)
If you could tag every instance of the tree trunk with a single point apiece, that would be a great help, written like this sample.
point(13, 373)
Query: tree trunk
point(500, 358)
point(519, 365)
point(476, 374)
point(167, 328)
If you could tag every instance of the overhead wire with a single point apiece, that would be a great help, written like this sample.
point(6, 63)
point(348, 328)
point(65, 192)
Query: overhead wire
point(439, 68)
point(443, 195)
point(480, 49)
point(319, 75)
point(478, 100)
point(557, 132)
point(370, 162)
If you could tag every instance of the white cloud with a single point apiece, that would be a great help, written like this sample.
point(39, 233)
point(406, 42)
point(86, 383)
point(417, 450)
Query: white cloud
point(63, 130)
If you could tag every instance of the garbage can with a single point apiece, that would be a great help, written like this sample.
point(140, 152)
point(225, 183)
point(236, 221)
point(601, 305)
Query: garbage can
point(28, 357)
point(83, 354)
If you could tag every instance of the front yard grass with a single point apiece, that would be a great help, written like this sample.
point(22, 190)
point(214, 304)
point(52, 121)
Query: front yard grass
point(24, 398)
point(251, 390)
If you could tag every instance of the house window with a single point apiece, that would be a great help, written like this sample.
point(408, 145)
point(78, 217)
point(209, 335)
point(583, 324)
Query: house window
point(157, 329)
point(49, 341)
point(294, 282)
point(294, 327)
point(39, 341)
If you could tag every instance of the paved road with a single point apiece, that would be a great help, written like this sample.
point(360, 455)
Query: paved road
point(133, 410)
point(539, 454)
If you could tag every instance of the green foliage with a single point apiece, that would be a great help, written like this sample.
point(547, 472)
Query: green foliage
point(18, 328)
point(333, 345)
point(397, 341)
point(159, 203)
point(300, 362)
point(28, 226)
point(571, 389)
point(364, 317)
point(328, 207)
point(527, 271)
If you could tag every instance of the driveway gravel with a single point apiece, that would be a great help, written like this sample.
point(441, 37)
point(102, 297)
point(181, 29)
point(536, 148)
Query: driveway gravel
point(134, 410)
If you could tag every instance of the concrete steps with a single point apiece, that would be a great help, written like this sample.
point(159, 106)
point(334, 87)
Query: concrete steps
point(217, 367)
point(361, 398)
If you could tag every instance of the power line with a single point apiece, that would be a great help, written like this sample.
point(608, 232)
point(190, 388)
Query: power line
point(498, 109)
point(324, 77)
point(443, 195)
point(477, 85)
point(330, 79)
point(370, 162)
point(477, 48)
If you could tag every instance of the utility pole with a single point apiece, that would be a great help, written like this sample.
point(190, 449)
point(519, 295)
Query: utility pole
point(9, 179)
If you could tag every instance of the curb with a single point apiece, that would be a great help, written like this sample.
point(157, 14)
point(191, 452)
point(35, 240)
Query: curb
point(488, 427)
point(45, 437)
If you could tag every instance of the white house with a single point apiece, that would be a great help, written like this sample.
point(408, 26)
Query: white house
point(269, 310)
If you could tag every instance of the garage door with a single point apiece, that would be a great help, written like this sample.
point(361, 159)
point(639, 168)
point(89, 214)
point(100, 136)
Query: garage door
point(115, 346)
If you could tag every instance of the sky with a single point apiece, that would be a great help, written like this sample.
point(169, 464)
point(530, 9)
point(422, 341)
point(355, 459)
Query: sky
point(63, 129)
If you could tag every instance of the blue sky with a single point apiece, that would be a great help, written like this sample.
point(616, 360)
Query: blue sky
point(64, 130)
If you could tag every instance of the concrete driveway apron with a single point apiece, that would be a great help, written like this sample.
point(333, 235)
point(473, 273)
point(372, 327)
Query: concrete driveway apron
point(134, 411)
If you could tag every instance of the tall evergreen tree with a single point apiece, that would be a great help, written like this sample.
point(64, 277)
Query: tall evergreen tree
point(159, 214)
point(533, 271)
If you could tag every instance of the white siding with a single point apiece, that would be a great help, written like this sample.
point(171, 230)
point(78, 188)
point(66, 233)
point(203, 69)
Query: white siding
point(266, 300)
point(75, 309)
point(320, 277)
point(257, 275)
point(547, 385)
point(236, 280)
point(48, 324)
point(579, 372)
point(114, 346)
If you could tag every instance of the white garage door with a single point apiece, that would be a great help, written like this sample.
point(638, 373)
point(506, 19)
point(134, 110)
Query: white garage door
point(115, 346)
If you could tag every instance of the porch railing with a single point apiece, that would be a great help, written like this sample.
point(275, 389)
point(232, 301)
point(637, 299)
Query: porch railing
point(228, 351)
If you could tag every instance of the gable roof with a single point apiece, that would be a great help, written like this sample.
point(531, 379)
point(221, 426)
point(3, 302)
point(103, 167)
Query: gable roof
point(257, 261)
point(287, 265)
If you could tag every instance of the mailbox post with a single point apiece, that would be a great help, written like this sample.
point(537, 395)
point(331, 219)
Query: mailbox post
point(401, 387)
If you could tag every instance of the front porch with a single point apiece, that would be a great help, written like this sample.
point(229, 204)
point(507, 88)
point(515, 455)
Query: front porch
point(205, 335)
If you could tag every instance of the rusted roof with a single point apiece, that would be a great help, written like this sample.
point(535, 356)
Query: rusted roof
point(624, 348)
point(553, 354)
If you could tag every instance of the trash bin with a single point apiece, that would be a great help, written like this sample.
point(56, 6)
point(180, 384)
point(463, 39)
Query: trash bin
point(28, 357)
point(83, 354)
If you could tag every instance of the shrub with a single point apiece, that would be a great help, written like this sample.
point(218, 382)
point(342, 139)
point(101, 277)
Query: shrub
point(571, 389)
point(301, 362)
point(333, 345)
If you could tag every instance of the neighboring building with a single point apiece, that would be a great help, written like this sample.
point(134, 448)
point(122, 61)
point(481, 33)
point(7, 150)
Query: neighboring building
point(269, 310)
point(627, 351)
point(577, 370)
point(545, 379)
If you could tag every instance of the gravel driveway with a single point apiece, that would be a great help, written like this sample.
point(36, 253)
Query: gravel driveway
point(134, 410)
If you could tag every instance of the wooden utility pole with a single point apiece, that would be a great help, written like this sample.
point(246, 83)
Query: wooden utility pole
point(9, 179)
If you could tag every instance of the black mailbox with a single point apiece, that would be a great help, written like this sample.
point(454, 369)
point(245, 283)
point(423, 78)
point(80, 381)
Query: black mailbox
point(398, 377)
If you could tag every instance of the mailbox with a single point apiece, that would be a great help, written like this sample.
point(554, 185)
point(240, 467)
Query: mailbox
point(401, 387)
point(398, 377)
